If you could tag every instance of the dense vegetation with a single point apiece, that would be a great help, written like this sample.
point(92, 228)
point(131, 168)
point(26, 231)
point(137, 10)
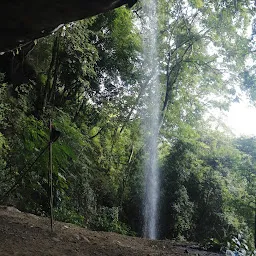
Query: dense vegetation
point(89, 78)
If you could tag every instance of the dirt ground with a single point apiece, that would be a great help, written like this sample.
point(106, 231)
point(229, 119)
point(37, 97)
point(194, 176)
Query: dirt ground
point(23, 234)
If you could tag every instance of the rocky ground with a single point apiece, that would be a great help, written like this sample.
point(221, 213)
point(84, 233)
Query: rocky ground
point(23, 234)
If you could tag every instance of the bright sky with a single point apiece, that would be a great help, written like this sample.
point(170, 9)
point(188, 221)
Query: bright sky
point(241, 118)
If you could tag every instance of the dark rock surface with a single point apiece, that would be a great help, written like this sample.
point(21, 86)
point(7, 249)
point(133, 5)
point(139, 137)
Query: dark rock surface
point(23, 21)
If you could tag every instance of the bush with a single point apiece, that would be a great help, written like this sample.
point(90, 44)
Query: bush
point(70, 216)
point(107, 219)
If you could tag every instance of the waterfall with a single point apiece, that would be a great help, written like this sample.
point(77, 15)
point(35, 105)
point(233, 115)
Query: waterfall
point(151, 119)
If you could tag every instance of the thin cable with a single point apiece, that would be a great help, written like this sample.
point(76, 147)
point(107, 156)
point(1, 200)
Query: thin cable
point(25, 171)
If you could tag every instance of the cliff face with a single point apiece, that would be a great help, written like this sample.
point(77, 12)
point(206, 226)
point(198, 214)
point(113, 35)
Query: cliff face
point(23, 21)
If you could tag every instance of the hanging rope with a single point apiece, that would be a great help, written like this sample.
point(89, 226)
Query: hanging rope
point(53, 137)
point(24, 171)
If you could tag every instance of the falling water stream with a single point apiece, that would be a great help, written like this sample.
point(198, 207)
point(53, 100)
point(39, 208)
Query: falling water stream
point(151, 120)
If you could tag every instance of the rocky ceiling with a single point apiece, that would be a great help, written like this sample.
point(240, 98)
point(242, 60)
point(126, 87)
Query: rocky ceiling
point(23, 21)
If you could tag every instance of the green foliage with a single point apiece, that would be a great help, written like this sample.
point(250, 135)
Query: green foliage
point(201, 190)
point(70, 216)
point(90, 81)
point(240, 244)
point(107, 219)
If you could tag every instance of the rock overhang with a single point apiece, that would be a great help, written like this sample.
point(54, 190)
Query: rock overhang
point(23, 21)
